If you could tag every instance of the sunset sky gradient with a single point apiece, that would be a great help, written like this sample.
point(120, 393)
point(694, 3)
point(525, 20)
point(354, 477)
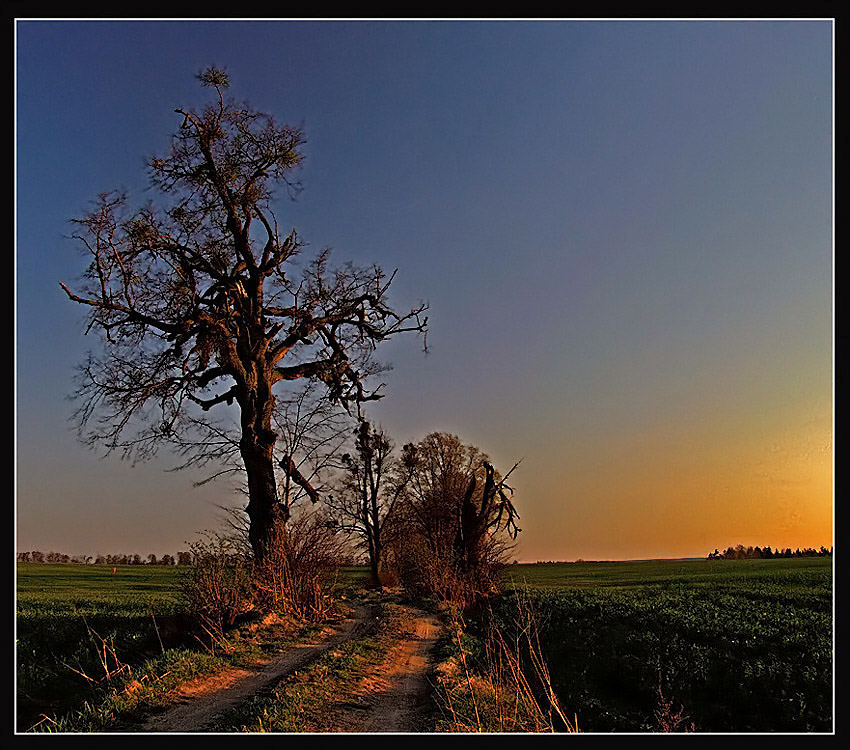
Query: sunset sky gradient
point(624, 230)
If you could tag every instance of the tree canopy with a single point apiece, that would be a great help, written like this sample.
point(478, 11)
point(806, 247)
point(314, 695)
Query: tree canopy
point(199, 302)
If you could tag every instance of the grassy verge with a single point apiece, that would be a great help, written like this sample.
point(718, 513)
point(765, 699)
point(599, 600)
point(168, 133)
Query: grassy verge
point(121, 703)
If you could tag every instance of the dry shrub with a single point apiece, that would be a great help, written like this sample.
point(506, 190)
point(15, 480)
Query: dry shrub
point(422, 571)
point(298, 575)
point(670, 719)
point(218, 588)
point(465, 590)
point(389, 578)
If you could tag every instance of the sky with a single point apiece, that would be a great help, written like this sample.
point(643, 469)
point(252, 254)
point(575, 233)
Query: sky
point(623, 230)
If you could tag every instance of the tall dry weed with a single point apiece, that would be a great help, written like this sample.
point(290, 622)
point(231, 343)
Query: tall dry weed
point(509, 688)
point(299, 574)
point(219, 586)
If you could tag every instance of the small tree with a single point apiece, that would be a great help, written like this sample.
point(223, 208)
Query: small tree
point(372, 481)
point(199, 305)
point(457, 522)
point(184, 558)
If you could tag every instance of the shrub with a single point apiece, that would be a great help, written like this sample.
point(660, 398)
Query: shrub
point(219, 587)
point(298, 575)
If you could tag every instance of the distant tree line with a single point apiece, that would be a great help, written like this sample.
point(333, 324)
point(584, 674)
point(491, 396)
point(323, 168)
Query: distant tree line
point(740, 552)
point(36, 556)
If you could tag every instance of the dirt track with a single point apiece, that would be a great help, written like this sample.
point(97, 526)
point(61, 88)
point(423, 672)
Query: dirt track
point(398, 698)
point(205, 699)
point(394, 696)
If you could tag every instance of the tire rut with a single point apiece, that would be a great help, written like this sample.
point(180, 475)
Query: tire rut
point(399, 703)
point(198, 713)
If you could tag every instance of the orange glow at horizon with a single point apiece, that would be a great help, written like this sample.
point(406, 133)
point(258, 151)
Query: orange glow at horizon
point(668, 495)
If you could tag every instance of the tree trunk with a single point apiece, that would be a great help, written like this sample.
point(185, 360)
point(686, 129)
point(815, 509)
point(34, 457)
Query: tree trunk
point(374, 570)
point(266, 515)
point(374, 550)
point(264, 512)
point(375, 546)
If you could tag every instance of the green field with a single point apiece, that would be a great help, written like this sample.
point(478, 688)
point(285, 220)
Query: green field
point(63, 585)
point(806, 571)
point(737, 646)
point(67, 586)
point(65, 615)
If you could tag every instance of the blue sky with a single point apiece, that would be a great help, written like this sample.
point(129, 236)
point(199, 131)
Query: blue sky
point(624, 231)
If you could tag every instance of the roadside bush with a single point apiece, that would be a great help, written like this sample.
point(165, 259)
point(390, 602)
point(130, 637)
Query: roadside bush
point(299, 574)
point(219, 586)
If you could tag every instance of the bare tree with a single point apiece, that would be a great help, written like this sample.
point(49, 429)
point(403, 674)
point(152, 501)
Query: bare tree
point(199, 305)
point(457, 521)
point(311, 431)
point(483, 508)
point(372, 481)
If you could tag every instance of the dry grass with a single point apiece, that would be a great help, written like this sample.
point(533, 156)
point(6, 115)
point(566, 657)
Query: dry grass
point(509, 689)
point(670, 720)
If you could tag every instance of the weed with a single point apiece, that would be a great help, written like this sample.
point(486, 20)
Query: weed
point(507, 688)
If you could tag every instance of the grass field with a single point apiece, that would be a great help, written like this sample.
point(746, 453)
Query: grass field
point(66, 614)
point(63, 585)
point(736, 646)
point(806, 571)
point(732, 646)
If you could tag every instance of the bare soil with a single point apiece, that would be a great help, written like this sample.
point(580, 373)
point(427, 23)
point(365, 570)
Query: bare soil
point(394, 698)
point(202, 700)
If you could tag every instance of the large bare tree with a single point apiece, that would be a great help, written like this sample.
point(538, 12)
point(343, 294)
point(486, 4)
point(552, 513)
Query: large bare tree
point(200, 303)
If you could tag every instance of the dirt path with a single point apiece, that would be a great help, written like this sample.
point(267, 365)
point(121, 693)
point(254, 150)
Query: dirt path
point(205, 699)
point(393, 698)
point(398, 692)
